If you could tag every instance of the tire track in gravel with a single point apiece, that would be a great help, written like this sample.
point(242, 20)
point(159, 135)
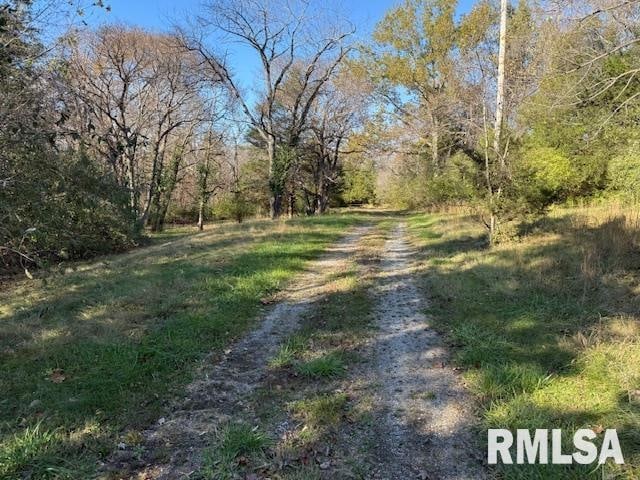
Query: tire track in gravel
point(425, 429)
point(173, 446)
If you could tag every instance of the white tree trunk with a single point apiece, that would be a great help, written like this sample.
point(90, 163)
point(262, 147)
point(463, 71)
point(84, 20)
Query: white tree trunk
point(500, 86)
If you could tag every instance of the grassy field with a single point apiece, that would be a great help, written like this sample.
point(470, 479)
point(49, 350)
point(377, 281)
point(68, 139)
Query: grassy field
point(91, 355)
point(545, 326)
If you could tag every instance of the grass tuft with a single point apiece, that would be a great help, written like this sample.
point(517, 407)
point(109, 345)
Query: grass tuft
point(330, 365)
point(322, 410)
point(236, 441)
point(289, 352)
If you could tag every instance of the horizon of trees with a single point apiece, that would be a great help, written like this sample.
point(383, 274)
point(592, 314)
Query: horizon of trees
point(107, 131)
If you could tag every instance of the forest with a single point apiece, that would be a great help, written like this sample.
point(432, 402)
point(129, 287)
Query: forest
point(114, 130)
point(159, 206)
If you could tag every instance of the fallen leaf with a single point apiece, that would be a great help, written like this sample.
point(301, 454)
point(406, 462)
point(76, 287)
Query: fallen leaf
point(57, 376)
point(598, 429)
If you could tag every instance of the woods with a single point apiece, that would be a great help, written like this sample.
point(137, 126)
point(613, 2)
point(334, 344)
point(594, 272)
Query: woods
point(507, 109)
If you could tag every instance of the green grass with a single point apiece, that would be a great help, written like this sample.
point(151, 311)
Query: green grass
point(235, 442)
point(546, 326)
point(330, 365)
point(88, 355)
point(322, 410)
point(289, 352)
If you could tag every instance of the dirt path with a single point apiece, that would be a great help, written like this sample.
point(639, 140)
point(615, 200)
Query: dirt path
point(419, 423)
point(173, 446)
point(427, 422)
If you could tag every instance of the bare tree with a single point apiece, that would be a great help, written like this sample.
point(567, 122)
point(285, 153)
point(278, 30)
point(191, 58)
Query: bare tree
point(338, 113)
point(282, 35)
point(590, 33)
point(136, 100)
point(208, 170)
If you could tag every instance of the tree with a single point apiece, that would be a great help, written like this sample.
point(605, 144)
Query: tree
point(412, 61)
point(502, 52)
point(55, 201)
point(339, 112)
point(135, 100)
point(208, 169)
point(282, 35)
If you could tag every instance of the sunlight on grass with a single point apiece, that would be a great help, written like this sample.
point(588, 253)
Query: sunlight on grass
point(126, 332)
point(321, 411)
point(546, 325)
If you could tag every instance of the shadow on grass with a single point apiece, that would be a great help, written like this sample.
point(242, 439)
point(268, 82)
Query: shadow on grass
point(515, 316)
point(105, 348)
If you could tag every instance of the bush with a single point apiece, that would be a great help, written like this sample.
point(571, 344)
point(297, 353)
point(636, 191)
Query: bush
point(58, 207)
point(456, 184)
point(624, 175)
point(233, 207)
point(359, 183)
point(182, 215)
point(541, 176)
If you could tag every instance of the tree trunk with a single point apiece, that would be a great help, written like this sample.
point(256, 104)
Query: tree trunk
point(155, 208)
point(131, 178)
point(161, 205)
point(322, 198)
point(275, 202)
point(292, 204)
point(201, 214)
point(435, 149)
point(497, 134)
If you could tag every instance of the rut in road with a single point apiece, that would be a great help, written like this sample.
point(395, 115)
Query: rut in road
point(427, 422)
point(174, 445)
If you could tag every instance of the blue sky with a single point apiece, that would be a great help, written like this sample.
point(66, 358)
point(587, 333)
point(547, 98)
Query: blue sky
point(161, 14)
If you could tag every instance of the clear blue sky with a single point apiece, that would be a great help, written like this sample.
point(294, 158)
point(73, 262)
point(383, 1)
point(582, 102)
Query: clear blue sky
point(161, 14)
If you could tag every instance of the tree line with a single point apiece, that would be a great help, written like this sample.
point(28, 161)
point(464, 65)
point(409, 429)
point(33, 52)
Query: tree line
point(112, 130)
point(509, 108)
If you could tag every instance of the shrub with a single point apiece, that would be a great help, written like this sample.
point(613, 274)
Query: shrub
point(58, 207)
point(455, 184)
point(233, 207)
point(359, 183)
point(623, 175)
point(541, 176)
